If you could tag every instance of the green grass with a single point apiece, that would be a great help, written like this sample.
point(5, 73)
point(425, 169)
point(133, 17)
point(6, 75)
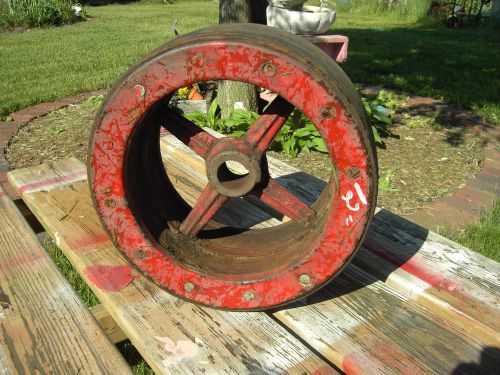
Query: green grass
point(46, 64)
point(413, 9)
point(483, 236)
point(459, 66)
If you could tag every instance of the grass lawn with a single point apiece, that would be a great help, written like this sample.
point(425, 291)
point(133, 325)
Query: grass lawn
point(483, 236)
point(45, 64)
point(459, 66)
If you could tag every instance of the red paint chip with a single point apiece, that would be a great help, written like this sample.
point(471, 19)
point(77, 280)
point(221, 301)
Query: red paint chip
point(110, 278)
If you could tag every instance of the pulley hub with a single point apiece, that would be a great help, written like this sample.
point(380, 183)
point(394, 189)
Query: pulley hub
point(233, 169)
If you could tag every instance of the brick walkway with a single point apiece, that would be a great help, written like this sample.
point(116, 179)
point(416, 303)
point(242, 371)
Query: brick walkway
point(469, 202)
point(20, 118)
point(464, 206)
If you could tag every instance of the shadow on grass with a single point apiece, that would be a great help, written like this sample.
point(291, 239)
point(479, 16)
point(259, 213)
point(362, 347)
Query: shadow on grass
point(456, 121)
point(462, 67)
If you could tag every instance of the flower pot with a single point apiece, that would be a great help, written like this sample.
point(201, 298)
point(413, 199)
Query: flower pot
point(194, 94)
point(310, 20)
point(288, 4)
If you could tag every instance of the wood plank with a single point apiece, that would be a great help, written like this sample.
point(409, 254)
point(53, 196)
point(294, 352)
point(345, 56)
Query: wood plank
point(460, 285)
point(108, 324)
point(368, 325)
point(45, 327)
point(172, 335)
point(450, 280)
point(454, 282)
point(364, 327)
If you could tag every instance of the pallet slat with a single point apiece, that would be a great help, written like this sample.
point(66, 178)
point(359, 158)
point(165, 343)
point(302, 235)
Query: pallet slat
point(352, 329)
point(172, 335)
point(45, 327)
point(447, 278)
point(452, 281)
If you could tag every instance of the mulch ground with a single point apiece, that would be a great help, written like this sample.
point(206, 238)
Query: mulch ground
point(429, 157)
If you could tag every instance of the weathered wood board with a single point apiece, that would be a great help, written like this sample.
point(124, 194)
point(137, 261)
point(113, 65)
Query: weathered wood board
point(426, 289)
point(387, 318)
point(450, 280)
point(44, 326)
point(173, 336)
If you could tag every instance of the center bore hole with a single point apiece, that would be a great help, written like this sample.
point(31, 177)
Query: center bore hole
point(231, 170)
point(236, 167)
point(235, 178)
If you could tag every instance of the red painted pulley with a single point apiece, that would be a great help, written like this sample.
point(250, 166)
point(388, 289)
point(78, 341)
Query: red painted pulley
point(188, 250)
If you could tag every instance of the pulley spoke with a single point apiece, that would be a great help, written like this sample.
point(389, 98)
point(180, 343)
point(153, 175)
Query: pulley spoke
point(188, 133)
point(262, 132)
point(209, 202)
point(283, 201)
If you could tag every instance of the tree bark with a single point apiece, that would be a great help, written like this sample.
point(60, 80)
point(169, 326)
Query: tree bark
point(259, 11)
point(495, 13)
point(231, 92)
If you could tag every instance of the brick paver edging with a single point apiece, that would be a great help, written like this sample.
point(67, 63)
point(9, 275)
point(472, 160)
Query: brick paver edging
point(464, 206)
point(22, 117)
point(468, 203)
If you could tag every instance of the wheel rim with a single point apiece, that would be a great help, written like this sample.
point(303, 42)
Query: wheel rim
point(163, 236)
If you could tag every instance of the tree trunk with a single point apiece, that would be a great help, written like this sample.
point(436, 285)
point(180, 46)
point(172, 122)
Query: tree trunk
point(232, 92)
point(495, 13)
point(259, 11)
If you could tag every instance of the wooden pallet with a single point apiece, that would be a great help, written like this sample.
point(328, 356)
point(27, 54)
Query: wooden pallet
point(412, 302)
point(45, 327)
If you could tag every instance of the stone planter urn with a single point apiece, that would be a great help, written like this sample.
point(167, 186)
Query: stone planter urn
point(293, 16)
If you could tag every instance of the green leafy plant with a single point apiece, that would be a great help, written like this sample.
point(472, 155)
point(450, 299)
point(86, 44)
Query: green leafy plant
point(379, 116)
point(39, 13)
point(239, 121)
point(385, 182)
point(297, 135)
point(210, 120)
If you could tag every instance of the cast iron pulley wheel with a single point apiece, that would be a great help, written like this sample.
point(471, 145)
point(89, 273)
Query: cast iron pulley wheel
point(187, 249)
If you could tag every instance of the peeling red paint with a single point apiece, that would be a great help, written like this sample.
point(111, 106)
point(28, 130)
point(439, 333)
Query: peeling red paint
point(87, 241)
point(110, 278)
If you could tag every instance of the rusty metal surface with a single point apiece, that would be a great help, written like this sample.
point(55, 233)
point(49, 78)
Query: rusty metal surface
point(179, 245)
